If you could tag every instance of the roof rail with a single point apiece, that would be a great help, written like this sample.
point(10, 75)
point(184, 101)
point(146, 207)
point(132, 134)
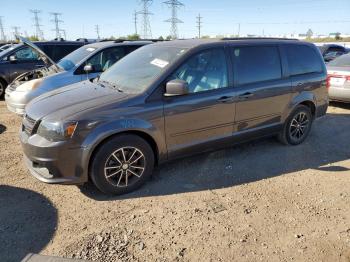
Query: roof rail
point(257, 38)
point(138, 40)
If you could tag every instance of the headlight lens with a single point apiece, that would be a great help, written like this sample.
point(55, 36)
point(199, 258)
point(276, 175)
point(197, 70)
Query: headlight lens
point(56, 131)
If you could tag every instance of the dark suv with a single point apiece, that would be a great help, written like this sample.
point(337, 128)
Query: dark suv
point(169, 100)
point(21, 58)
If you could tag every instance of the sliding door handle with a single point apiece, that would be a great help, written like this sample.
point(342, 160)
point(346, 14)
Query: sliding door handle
point(245, 96)
point(225, 99)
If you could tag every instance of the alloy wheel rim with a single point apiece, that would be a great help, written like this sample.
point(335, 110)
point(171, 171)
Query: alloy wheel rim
point(299, 126)
point(125, 166)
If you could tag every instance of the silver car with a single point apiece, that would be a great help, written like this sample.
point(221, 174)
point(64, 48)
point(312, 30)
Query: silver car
point(87, 62)
point(339, 78)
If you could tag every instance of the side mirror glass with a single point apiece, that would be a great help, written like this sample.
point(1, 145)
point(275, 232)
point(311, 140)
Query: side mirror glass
point(88, 68)
point(176, 87)
point(13, 59)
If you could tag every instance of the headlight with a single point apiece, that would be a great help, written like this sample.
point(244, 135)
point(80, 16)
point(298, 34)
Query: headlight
point(56, 131)
point(29, 85)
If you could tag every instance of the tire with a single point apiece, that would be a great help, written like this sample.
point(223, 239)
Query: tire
point(299, 123)
point(122, 164)
point(2, 89)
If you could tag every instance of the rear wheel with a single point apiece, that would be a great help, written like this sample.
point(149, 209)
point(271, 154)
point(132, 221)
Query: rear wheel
point(297, 127)
point(122, 164)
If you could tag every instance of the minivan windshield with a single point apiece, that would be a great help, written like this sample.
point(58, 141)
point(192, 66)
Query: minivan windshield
point(71, 60)
point(341, 61)
point(136, 71)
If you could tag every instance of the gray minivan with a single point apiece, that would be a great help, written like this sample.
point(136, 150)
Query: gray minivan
point(70, 69)
point(169, 100)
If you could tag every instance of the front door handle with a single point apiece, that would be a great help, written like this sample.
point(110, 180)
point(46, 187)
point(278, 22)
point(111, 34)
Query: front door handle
point(225, 99)
point(245, 96)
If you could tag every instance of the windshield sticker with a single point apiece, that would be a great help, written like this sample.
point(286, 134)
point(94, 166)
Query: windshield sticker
point(159, 62)
point(90, 49)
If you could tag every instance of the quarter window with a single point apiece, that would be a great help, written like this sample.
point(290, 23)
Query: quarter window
point(303, 59)
point(256, 64)
point(204, 71)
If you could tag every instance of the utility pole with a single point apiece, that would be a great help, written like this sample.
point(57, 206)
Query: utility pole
point(199, 25)
point(174, 5)
point(3, 37)
point(135, 21)
point(16, 31)
point(38, 32)
point(57, 22)
point(97, 29)
point(239, 29)
point(146, 26)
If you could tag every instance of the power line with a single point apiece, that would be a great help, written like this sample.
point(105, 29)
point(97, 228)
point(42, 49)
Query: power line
point(135, 21)
point(57, 22)
point(97, 29)
point(38, 32)
point(16, 31)
point(199, 25)
point(146, 26)
point(174, 5)
point(3, 37)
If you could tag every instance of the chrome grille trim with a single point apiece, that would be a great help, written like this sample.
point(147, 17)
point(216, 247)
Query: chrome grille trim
point(28, 124)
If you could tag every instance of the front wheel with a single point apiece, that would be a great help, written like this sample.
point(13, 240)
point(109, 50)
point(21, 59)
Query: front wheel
point(297, 127)
point(122, 164)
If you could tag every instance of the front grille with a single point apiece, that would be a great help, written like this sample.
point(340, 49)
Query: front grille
point(28, 124)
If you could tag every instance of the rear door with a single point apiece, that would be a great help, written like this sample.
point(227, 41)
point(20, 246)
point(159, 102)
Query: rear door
point(206, 114)
point(262, 90)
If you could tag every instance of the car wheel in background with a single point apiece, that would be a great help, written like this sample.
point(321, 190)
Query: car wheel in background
point(2, 88)
point(297, 127)
point(122, 164)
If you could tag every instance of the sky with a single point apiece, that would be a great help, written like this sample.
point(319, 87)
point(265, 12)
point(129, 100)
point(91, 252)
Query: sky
point(220, 17)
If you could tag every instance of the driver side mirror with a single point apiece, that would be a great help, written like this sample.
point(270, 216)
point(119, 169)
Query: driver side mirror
point(88, 68)
point(13, 59)
point(176, 87)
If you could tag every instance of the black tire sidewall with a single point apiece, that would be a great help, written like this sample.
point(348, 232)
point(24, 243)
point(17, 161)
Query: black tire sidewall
point(106, 149)
point(297, 110)
point(2, 89)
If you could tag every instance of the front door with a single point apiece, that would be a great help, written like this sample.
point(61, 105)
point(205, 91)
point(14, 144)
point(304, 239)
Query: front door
point(207, 113)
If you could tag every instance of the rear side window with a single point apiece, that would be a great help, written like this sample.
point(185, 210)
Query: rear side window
point(60, 51)
point(303, 59)
point(256, 64)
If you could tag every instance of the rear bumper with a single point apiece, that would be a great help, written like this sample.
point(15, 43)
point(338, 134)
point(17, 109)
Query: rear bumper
point(339, 94)
point(53, 162)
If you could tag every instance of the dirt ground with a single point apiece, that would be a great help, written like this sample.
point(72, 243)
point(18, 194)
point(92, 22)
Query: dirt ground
point(260, 201)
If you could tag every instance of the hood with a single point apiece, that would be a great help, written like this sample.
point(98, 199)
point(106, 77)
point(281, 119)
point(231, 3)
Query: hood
point(45, 58)
point(73, 99)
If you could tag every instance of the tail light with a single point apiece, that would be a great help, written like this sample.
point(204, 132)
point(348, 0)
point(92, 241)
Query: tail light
point(328, 81)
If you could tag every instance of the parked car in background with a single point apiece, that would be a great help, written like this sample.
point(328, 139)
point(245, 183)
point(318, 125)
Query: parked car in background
point(5, 46)
point(169, 100)
point(22, 58)
point(98, 57)
point(339, 78)
point(332, 51)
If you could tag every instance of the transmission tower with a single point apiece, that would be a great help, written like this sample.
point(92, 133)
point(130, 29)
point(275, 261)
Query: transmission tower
point(146, 26)
point(199, 25)
point(2, 31)
point(38, 32)
point(16, 31)
point(57, 22)
point(97, 29)
point(174, 5)
point(135, 22)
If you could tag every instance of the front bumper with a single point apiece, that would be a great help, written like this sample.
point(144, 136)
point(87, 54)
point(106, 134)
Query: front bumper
point(339, 94)
point(54, 162)
point(15, 105)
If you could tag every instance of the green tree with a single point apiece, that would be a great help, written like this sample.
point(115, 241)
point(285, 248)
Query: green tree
point(133, 37)
point(161, 38)
point(168, 37)
point(309, 34)
point(33, 38)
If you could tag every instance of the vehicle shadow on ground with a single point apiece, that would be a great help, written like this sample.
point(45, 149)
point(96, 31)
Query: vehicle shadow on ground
point(265, 158)
point(28, 222)
point(2, 129)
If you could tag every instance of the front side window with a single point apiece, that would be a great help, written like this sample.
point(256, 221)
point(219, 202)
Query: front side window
point(303, 59)
point(26, 54)
point(204, 71)
point(105, 59)
point(254, 64)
